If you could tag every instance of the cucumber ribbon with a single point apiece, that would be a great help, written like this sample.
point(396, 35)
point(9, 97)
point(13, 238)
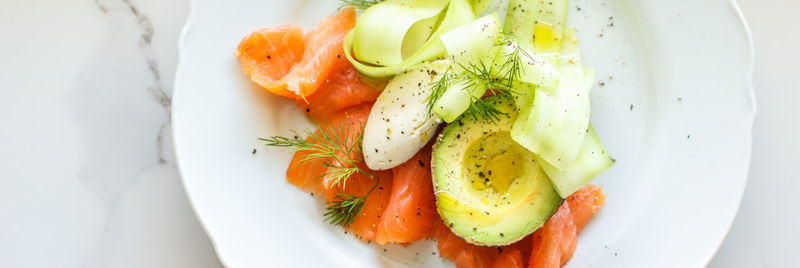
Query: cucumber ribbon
point(394, 35)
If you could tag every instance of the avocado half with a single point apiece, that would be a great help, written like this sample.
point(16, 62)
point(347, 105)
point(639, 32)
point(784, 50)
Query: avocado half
point(489, 190)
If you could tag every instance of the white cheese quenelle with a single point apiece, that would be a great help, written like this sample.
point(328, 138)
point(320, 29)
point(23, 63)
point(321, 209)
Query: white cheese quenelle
point(399, 124)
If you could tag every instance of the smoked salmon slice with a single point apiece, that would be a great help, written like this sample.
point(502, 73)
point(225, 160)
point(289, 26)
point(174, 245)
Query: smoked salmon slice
point(268, 54)
point(554, 243)
point(509, 258)
point(321, 47)
point(305, 174)
point(462, 253)
point(364, 226)
point(310, 175)
point(411, 213)
point(284, 62)
point(342, 88)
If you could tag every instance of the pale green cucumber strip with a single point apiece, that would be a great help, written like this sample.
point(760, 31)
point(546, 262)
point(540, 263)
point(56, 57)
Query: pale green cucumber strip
point(592, 160)
point(498, 7)
point(479, 6)
point(555, 123)
point(418, 35)
point(459, 12)
point(557, 120)
point(524, 14)
point(520, 23)
point(432, 50)
point(381, 30)
point(534, 69)
point(456, 100)
point(523, 96)
point(569, 49)
point(473, 44)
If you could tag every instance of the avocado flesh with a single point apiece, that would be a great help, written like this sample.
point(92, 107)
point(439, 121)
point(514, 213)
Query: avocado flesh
point(490, 190)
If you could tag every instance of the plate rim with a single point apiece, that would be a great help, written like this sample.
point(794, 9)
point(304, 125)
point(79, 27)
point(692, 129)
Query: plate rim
point(189, 23)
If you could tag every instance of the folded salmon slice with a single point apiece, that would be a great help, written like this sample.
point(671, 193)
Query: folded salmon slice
point(342, 88)
point(322, 44)
point(554, 244)
point(268, 54)
point(510, 258)
point(286, 63)
point(411, 213)
point(310, 175)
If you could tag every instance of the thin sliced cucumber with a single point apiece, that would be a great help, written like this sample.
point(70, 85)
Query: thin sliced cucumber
point(591, 161)
point(383, 29)
point(473, 45)
point(378, 65)
point(555, 123)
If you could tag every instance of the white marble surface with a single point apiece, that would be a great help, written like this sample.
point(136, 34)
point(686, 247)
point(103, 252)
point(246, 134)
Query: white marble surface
point(87, 173)
point(88, 177)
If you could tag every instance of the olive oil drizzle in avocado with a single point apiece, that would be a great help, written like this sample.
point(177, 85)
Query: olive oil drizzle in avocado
point(489, 190)
point(486, 168)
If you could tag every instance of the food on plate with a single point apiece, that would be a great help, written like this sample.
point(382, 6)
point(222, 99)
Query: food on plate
point(490, 190)
point(463, 121)
point(400, 123)
point(320, 49)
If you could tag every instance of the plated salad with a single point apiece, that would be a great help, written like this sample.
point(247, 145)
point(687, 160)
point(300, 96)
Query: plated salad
point(465, 121)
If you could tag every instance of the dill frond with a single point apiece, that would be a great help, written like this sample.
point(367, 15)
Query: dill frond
point(510, 70)
point(480, 109)
point(497, 78)
point(339, 147)
point(344, 209)
point(437, 89)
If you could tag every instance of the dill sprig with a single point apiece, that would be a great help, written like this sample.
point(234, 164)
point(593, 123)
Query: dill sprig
point(340, 150)
point(344, 208)
point(437, 89)
point(511, 69)
point(481, 109)
point(338, 147)
point(498, 79)
point(358, 4)
point(485, 75)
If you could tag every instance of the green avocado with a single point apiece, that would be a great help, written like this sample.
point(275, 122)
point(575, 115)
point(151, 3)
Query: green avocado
point(490, 190)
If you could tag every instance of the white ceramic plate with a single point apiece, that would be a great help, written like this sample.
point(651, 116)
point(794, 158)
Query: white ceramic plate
point(673, 104)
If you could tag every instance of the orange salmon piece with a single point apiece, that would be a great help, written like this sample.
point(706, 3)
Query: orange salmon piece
point(364, 226)
point(462, 253)
point(268, 54)
point(322, 45)
point(310, 175)
point(554, 244)
point(510, 258)
point(286, 63)
point(306, 174)
point(411, 214)
point(342, 88)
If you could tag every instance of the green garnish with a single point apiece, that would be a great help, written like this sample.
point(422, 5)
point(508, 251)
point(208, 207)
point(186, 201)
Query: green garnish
point(511, 69)
point(340, 150)
point(339, 147)
point(481, 76)
point(358, 4)
point(498, 79)
point(480, 109)
point(345, 207)
point(437, 89)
